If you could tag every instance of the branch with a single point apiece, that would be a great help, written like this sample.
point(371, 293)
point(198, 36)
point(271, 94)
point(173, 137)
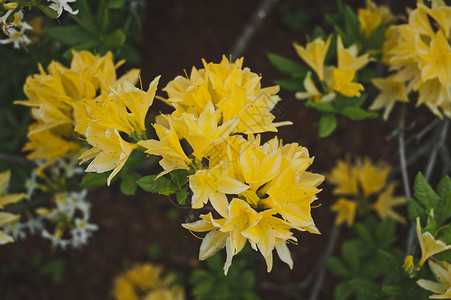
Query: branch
point(252, 26)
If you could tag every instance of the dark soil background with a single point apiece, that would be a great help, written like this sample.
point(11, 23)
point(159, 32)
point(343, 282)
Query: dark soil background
point(177, 34)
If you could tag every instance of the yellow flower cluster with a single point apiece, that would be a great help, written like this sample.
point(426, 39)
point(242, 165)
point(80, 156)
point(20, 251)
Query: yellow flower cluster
point(54, 95)
point(419, 54)
point(356, 184)
point(5, 199)
point(372, 16)
point(260, 191)
point(146, 282)
point(338, 79)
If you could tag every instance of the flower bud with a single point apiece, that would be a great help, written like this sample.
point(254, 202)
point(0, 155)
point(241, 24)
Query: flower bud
point(10, 6)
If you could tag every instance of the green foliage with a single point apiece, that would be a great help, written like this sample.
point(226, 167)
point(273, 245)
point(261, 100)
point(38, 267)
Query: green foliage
point(287, 66)
point(327, 125)
point(94, 179)
point(212, 284)
point(128, 185)
point(370, 258)
point(294, 16)
point(160, 185)
point(99, 27)
point(425, 200)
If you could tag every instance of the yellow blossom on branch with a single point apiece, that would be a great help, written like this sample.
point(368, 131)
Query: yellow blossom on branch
point(429, 245)
point(441, 287)
point(314, 54)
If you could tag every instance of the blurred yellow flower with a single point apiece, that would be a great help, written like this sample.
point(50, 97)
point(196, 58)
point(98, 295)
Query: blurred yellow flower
point(391, 91)
point(5, 199)
point(372, 16)
point(346, 210)
point(314, 54)
point(146, 282)
point(385, 203)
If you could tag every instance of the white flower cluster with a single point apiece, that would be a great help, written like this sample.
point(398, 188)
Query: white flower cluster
point(69, 219)
point(15, 31)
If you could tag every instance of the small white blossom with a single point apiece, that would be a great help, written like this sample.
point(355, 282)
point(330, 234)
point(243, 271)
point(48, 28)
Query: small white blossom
point(60, 5)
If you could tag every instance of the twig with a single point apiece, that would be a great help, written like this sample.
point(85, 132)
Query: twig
point(322, 272)
point(252, 26)
point(439, 145)
point(402, 154)
point(425, 130)
point(15, 159)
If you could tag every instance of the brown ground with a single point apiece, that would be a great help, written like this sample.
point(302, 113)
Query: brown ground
point(176, 35)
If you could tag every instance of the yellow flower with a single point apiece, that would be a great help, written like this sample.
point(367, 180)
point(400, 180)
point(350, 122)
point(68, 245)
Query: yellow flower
point(215, 239)
point(241, 216)
point(385, 203)
point(391, 91)
point(213, 185)
point(110, 151)
point(234, 91)
point(266, 233)
point(346, 210)
point(204, 133)
point(291, 195)
point(372, 178)
point(168, 147)
point(435, 58)
point(343, 83)
point(49, 146)
point(146, 282)
point(5, 199)
point(429, 245)
point(343, 176)
point(348, 59)
point(311, 92)
point(372, 16)
point(314, 54)
point(419, 53)
point(442, 288)
point(53, 95)
point(408, 264)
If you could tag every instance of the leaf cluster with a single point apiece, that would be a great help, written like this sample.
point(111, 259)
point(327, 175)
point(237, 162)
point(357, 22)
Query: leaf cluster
point(167, 186)
point(370, 265)
point(99, 27)
point(433, 207)
point(212, 284)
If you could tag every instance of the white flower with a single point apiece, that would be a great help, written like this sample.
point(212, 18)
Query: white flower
point(16, 37)
point(60, 5)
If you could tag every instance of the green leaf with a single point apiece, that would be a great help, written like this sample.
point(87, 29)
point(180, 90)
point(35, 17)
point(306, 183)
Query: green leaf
point(386, 233)
point(357, 113)
point(52, 14)
point(290, 84)
point(376, 38)
point(115, 39)
point(116, 3)
point(446, 211)
point(350, 252)
point(342, 291)
point(443, 209)
point(363, 232)
point(393, 290)
point(365, 288)
point(85, 17)
point(414, 210)
point(337, 267)
point(161, 185)
point(54, 269)
point(327, 125)
point(287, 66)
point(324, 107)
point(180, 177)
point(424, 193)
point(69, 35)
point(95, 179)
point(103, 16)
point(181, 196)
point(128, 185)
